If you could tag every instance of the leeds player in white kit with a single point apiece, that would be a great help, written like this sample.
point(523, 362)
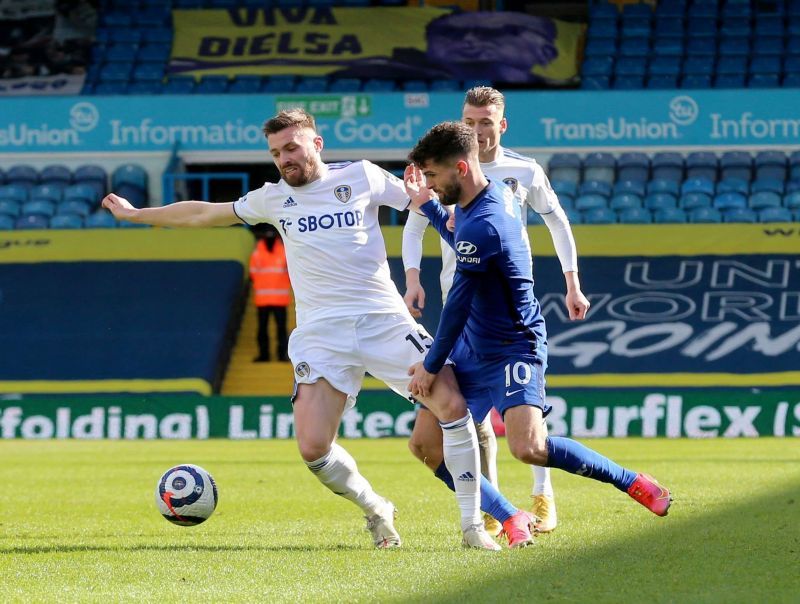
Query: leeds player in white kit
point(483, 111)
point(350, 316)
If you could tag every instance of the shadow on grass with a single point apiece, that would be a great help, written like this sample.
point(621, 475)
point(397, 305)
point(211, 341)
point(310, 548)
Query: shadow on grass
point(748, 552)
point(71, 549)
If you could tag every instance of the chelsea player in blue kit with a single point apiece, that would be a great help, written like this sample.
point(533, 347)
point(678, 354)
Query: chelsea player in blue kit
point(491, 327)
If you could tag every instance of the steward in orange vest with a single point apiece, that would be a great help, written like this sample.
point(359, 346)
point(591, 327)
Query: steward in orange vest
point(272, 290)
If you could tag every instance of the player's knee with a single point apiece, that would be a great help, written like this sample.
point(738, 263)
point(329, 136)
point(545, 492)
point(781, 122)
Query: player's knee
point(312, 450)
point(528, 452)
point(417, 448)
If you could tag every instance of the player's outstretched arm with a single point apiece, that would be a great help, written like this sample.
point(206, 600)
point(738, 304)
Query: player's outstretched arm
point(181, 214)
point(413, 233)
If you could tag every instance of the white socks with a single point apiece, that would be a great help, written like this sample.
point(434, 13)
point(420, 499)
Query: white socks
point(541, 481)
point(338, 471)
point(461, 459)
point(487, 447)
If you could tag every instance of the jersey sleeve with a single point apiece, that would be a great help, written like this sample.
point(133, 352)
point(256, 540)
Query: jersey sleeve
point(413, 232)
point(385, 188)
point(541, 196)
point(252, 208)
point(477, 243)
point(438, 217)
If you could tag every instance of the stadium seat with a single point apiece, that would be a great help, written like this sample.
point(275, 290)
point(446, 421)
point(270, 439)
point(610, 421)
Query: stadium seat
point(665, 66)
point(101, 219)
point(705, 215)
point(634, 187)
point(631, 66)
point(564, 187)
point(32, 221)
point(733, 185)
point(669, 215)
point(764, 199)
point(16, 193)
point(154, 53)
point(78, 208)
point(698, 65)
point(662, 82)
point(134, 194)
point(601, 47)
point(149, 72)
point(66, 221)
point(659, 201)
point(739, 215)
point(792, 200)
point(734, 46)
point(178, 85)
point(696, 81)
point(592, 82)
point(565, 167)
point(566, 201)
point(574, 216)
point(667, 166)
point(629, 82)
point(53, 193)
point(794, 166)
point(590, 201)
point(245, 85)
point(634, 47)
point(764, 80)
point(768, 164)
point(598, 187)
point(84, 193)
point(701, 47)
point(633, 166)
point(26, 176)
point(635, 216)
point(690, 201)
point(772, 185)
point(698, 185)
point(728, 201)
point(701, 164)
point(121, 53)
point(9, 208)
point(660, 185)
point(212, 84)
point(132, 225)
point(599, 216)
point(600, 167)
point(6, 223)
point(42, 207)
point(55, 174)
point(93, 176)
point(129, 174)
point(315, 85)
point(730, 80)
point(377, 85)
point(736, 164)
point(145, 88)
point(775, 215)
point(346, 85)
point(625, 201)
point(597, 66)
point(669, 46)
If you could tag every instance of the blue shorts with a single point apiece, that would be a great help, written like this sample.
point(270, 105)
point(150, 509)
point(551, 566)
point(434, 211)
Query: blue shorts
point(500, 382)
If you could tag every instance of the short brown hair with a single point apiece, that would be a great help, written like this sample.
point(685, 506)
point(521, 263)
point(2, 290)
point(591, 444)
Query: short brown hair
point(481, 96)
point(289, 118)
point(443, 142)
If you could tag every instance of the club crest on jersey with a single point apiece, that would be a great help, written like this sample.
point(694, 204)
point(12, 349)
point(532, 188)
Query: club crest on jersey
point(302, 369)
point(343, 193)
point(511, 183)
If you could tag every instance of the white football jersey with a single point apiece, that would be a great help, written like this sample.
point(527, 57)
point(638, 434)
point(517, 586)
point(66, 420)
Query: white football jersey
point(334, 246)
point(523, 175)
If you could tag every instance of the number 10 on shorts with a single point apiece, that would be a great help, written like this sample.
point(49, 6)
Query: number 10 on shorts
point(519, 372)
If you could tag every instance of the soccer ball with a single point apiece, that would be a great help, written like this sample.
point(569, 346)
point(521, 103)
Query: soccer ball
point(186, 495)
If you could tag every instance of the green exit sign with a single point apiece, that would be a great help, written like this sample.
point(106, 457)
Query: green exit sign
point(347, 105)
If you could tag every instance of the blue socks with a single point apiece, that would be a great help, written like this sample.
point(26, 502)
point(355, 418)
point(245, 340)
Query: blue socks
point(571, 456)
point(492, 500)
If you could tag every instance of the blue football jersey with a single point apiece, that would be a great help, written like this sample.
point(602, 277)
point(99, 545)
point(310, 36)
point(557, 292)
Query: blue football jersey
point(492, 300)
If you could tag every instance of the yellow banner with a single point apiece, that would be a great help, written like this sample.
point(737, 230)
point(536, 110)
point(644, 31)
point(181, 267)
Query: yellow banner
point(377, 42)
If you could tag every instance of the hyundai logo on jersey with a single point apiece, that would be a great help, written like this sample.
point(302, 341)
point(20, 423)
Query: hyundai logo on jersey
point(343, 193)
point(466, 248)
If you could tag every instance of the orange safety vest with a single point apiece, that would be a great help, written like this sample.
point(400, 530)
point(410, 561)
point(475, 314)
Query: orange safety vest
point(271, 286)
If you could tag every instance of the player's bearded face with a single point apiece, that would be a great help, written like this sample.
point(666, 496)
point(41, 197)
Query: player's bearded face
point(448, 190)
point(298, 171)
point(296, 154)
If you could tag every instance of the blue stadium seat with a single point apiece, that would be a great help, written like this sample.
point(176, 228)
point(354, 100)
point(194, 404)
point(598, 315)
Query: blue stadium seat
point(597, 66)
point(599, 167)
point(6, 223)
point(701, 27)
point(152, 87)
point(702, 10)
point(590, 201)
point(662, 82)
point(16, 193)
point(634, 47)
point(121, 53)
point(313, 85)
point(768, 26)
point(55, 174)
point(278, 84)
point(698, 185)
point(595, 187)
point(566, 201)
point(633, 187)
point(733, 185)
point(565, 167)
point(739, 215)
point(132, 225)
point(135, 195)
point(600, 47)
point(701, 164)
point(728, 201)
point(9, 208)
point(730, 80)
point(116, 72)
point(599, 216)
point(603, 10)
point(603, 28)
point(129, 174)
point(628, 82)
point(573, 215)
point(667, 166)
point(101, 219)
point(637, 11)
point(247, 84)
point(732, 65)
point(670, 8)
point(85, 192)
point(669, 215)
point(764, 199)
point(635, 216)
point(665, 66)
point(696, 81)
point(377, 85)
point(623, 201)
point(22, 175)
point(446, 86)
point(735, 27)
point(592, 82)
point(668, 47)
point(769, 164)
point(772, 185)
point(701, 47)
point(791, 80)
point(149, 72)
point(633, 28)
point(66, 221)
point(212, 84)
point(633, 166)
point(53, 193)
point(32, 221)
point(41, 207)
point(775, 215)
point(764, 80)
point(668, 27)
point(345, 85)
point(179, 85)
point(659, 201)
point(792, 200)
point(791, 64)
point(736, 9)
point(736, 164)
point(768, 46)
point(110, 88)
point(698, 65)
point(734, 46)
point(705, 215)
point(631, 66)
point(564, 187)
point(659, 185)
point(794, 166)
point(690, 201)
point(78, 208)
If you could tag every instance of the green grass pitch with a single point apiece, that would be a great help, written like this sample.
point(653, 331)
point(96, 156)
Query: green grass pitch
point(78, 523)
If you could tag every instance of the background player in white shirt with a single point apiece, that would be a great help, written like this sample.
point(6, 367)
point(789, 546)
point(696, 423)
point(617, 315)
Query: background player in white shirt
point(350, 317)
point(483, 111)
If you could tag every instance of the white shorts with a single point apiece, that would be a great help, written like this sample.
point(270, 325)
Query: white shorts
point(342, 350)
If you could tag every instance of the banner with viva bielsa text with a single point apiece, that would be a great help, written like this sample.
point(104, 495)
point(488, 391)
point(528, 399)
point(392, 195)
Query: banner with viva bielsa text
point(377, 42)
